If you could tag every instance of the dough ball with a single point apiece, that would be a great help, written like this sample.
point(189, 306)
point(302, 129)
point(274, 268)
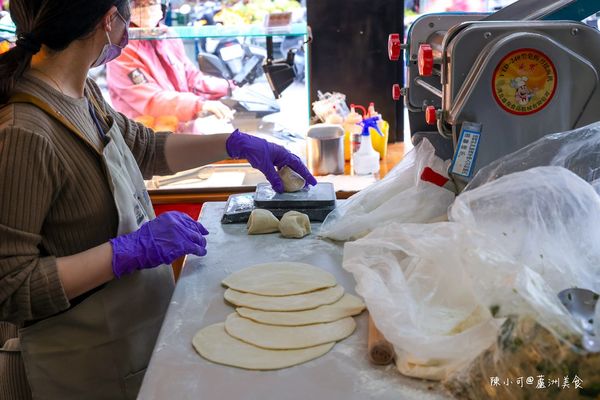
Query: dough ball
point(262, 221)
point(294, 224)
point(292, 182)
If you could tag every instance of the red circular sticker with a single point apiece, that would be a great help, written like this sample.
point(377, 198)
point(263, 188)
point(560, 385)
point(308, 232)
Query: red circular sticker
point(524, 81)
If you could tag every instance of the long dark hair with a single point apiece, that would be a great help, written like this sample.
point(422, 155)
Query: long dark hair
point(53, 23)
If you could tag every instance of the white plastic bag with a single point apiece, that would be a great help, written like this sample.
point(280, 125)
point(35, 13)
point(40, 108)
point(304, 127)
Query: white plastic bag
point(544, 225)
point(509, 247)
point(401, 196)
point(419, 298)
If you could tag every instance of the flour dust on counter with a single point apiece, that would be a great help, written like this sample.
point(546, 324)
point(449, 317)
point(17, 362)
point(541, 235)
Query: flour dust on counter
point(300, 314)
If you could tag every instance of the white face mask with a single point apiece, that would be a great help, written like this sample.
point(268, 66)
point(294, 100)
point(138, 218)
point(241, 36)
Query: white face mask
point(146, 16)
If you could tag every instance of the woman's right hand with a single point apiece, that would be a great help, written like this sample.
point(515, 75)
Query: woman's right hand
point(217, 108)
point(160, 241)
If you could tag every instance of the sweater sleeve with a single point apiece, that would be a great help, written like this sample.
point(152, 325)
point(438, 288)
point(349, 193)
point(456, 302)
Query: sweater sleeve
point(147, 146)
point(30, 287)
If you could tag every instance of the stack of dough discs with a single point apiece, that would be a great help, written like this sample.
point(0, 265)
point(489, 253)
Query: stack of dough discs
point(295, 302)
point(279, 279)
point(288, 313)
point(214, 344)
point(288, 337)
point(346, 306)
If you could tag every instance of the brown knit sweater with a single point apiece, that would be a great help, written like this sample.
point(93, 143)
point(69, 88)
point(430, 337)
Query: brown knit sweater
point(55, 199)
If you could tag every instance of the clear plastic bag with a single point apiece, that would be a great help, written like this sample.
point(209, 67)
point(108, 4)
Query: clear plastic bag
point(438, 292)
point(555, 247)
point(419, 298)
point(545, 220)
point(401, 196)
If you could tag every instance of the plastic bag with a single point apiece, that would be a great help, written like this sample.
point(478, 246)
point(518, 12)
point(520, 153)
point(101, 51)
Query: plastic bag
point(419, 298)
point(509, 247)
point(554, 248)
point(547, 220)
point(401, 196)
point(577, 150)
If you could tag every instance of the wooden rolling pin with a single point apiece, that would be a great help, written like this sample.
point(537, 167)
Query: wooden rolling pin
point(380, 351)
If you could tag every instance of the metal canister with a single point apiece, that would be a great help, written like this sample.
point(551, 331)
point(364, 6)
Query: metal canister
point(325, 149)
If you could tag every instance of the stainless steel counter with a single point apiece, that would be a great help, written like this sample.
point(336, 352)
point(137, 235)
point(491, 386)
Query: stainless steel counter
point(177, 372)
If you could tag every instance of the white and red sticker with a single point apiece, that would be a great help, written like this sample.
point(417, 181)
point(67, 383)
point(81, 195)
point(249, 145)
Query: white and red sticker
point(524, 81)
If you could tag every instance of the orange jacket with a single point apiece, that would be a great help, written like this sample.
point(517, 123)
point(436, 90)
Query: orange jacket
point(155, 77)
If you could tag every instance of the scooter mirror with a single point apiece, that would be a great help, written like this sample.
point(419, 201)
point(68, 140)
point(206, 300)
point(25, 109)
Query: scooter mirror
point(280, 73)
point(210, 64)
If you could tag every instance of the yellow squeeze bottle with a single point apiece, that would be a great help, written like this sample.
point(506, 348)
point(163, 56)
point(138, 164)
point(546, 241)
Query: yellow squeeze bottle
point(379, 142)
point(351, 128)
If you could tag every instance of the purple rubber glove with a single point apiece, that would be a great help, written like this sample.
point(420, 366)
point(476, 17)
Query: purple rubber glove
point(265, 156)
point(160, 241)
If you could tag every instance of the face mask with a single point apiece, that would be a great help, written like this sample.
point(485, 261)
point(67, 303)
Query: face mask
point(110, 51)
point(147, 16)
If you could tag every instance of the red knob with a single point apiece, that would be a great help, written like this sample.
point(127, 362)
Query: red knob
point(425, 60)
point(394, 46)
point(430, 116)
point(396, 92)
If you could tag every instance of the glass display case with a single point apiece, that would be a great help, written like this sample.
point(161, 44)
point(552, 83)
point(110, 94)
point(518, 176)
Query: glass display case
point(260, 67)
point(238, 56)
point(264, 103)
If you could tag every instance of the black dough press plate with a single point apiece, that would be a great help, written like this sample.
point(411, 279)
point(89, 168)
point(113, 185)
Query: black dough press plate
point(315, 201)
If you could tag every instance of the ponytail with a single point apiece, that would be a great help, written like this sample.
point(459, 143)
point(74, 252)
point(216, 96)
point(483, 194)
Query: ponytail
point(58, 22)
point(13, 64)
point(15, 61)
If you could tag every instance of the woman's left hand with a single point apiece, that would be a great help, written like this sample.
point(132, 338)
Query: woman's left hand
point(265, 156)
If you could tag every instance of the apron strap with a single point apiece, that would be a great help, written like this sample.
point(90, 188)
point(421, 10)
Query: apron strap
point(42, 105)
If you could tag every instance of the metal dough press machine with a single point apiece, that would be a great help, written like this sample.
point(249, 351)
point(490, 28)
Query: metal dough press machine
point(481, 86)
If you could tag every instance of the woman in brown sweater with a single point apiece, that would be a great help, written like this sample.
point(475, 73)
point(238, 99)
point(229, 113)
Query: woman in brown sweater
point(84, 283)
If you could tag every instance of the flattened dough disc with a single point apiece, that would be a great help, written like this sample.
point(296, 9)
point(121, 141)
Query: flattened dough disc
point(296, 302)
point(214, 344)
point(279, 279)
point(347, 306)
point(287, 337)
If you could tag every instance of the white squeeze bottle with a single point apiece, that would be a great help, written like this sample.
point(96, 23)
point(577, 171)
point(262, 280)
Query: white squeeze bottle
point(352, 132)
point(366, 159)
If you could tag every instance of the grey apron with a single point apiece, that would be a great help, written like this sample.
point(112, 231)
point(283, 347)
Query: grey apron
point(100, 348)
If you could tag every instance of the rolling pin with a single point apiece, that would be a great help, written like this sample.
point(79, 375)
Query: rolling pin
point(380, 351)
